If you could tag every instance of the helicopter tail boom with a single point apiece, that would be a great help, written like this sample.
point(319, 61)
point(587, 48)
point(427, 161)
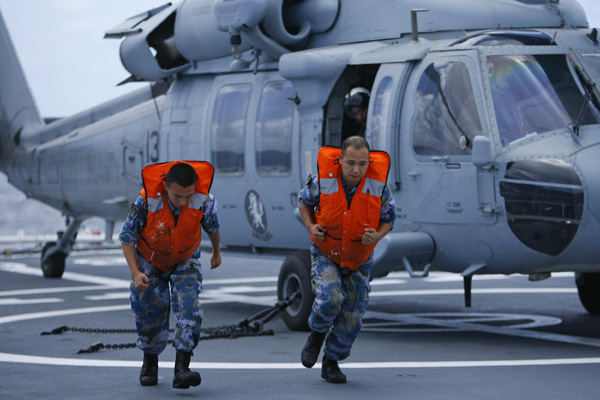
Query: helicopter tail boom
point(20, 120)
point(18, 112)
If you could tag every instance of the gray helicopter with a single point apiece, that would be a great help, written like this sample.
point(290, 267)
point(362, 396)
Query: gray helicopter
point(489, 109)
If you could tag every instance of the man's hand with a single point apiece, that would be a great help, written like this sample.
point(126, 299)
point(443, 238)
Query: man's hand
point(140, 281)
point(370, 236)
point(215, 260)
point(318, 233)
point(215, 257)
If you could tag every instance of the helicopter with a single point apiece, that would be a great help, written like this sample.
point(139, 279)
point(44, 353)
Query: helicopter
point(489, 110)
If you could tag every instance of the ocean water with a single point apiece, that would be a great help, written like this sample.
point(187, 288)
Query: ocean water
point(22, 216)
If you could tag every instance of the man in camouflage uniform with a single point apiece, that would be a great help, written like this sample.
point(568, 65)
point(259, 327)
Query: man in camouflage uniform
point(339, 281)
point(154, 289)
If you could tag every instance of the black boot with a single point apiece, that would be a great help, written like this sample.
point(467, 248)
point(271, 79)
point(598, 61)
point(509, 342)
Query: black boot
point(311, 349)
point(184, 378)
point(149, 372)
point(331, 371)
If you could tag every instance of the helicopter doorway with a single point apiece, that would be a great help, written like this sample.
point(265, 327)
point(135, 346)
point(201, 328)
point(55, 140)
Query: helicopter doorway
point(338, 124)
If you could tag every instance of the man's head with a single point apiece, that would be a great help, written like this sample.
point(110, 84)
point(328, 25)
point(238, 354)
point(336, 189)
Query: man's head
point(180, 184)
point(356, 104)
point(354, 159)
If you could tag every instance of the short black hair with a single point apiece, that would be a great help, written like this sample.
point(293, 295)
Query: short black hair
point(358, 142)
point(182, 174)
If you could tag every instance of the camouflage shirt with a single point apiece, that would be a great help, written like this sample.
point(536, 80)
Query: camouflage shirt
point(138, 215)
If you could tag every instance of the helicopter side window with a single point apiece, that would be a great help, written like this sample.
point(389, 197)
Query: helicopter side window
point(592, 63)
point(534, 94)
point(273, 143)
point(508, 38)
point(227, 129)
point(447, 118)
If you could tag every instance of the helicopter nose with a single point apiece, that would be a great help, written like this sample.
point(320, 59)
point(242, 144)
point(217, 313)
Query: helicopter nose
point(587, 162)
point(544, 203)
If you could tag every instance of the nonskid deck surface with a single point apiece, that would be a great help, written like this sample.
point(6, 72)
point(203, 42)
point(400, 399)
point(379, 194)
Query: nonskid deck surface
point(519, 339)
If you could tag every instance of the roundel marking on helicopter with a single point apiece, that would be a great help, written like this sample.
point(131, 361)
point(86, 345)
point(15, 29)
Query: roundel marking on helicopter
point(257, 216)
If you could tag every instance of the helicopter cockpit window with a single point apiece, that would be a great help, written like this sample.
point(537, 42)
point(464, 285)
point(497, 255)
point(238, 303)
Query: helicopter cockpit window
point(534, 94)
point(379, 115)
point(508, 38)
point(227, 129)
point(447, 118)
point(274, 130)
point(592, 64)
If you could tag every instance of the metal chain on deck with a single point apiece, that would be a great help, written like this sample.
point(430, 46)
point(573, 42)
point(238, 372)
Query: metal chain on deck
point(253, 326)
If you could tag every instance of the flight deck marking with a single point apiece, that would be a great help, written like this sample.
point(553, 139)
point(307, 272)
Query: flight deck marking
point(25, 292)
point(113, 283)
point(100, 262)
point(477, 322)
point(441, 318)
point(430, 292)
point(13, 301)
point(21, 268)
point(61, 361)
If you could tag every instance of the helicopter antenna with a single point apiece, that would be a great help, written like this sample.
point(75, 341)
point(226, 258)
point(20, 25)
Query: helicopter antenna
point(414, 24)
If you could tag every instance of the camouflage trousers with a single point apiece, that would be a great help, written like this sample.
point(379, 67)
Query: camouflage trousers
point(341, 298)
point(178, 290)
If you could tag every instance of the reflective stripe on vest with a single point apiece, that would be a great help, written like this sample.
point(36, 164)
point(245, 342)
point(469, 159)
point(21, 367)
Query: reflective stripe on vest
point(197, 201)
point(154, 204)
point(328, 185)
point(373, 187)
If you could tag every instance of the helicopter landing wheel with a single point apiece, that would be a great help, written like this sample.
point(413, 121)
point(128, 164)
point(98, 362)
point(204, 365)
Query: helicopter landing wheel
point(54, 265)
point(588, 288)
point(294, 275)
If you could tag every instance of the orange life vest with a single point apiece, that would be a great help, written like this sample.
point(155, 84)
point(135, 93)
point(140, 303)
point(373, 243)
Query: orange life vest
point(345, 225)
point(163, 241)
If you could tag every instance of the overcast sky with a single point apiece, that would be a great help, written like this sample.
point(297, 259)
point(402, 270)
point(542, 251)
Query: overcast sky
point(68, 64)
